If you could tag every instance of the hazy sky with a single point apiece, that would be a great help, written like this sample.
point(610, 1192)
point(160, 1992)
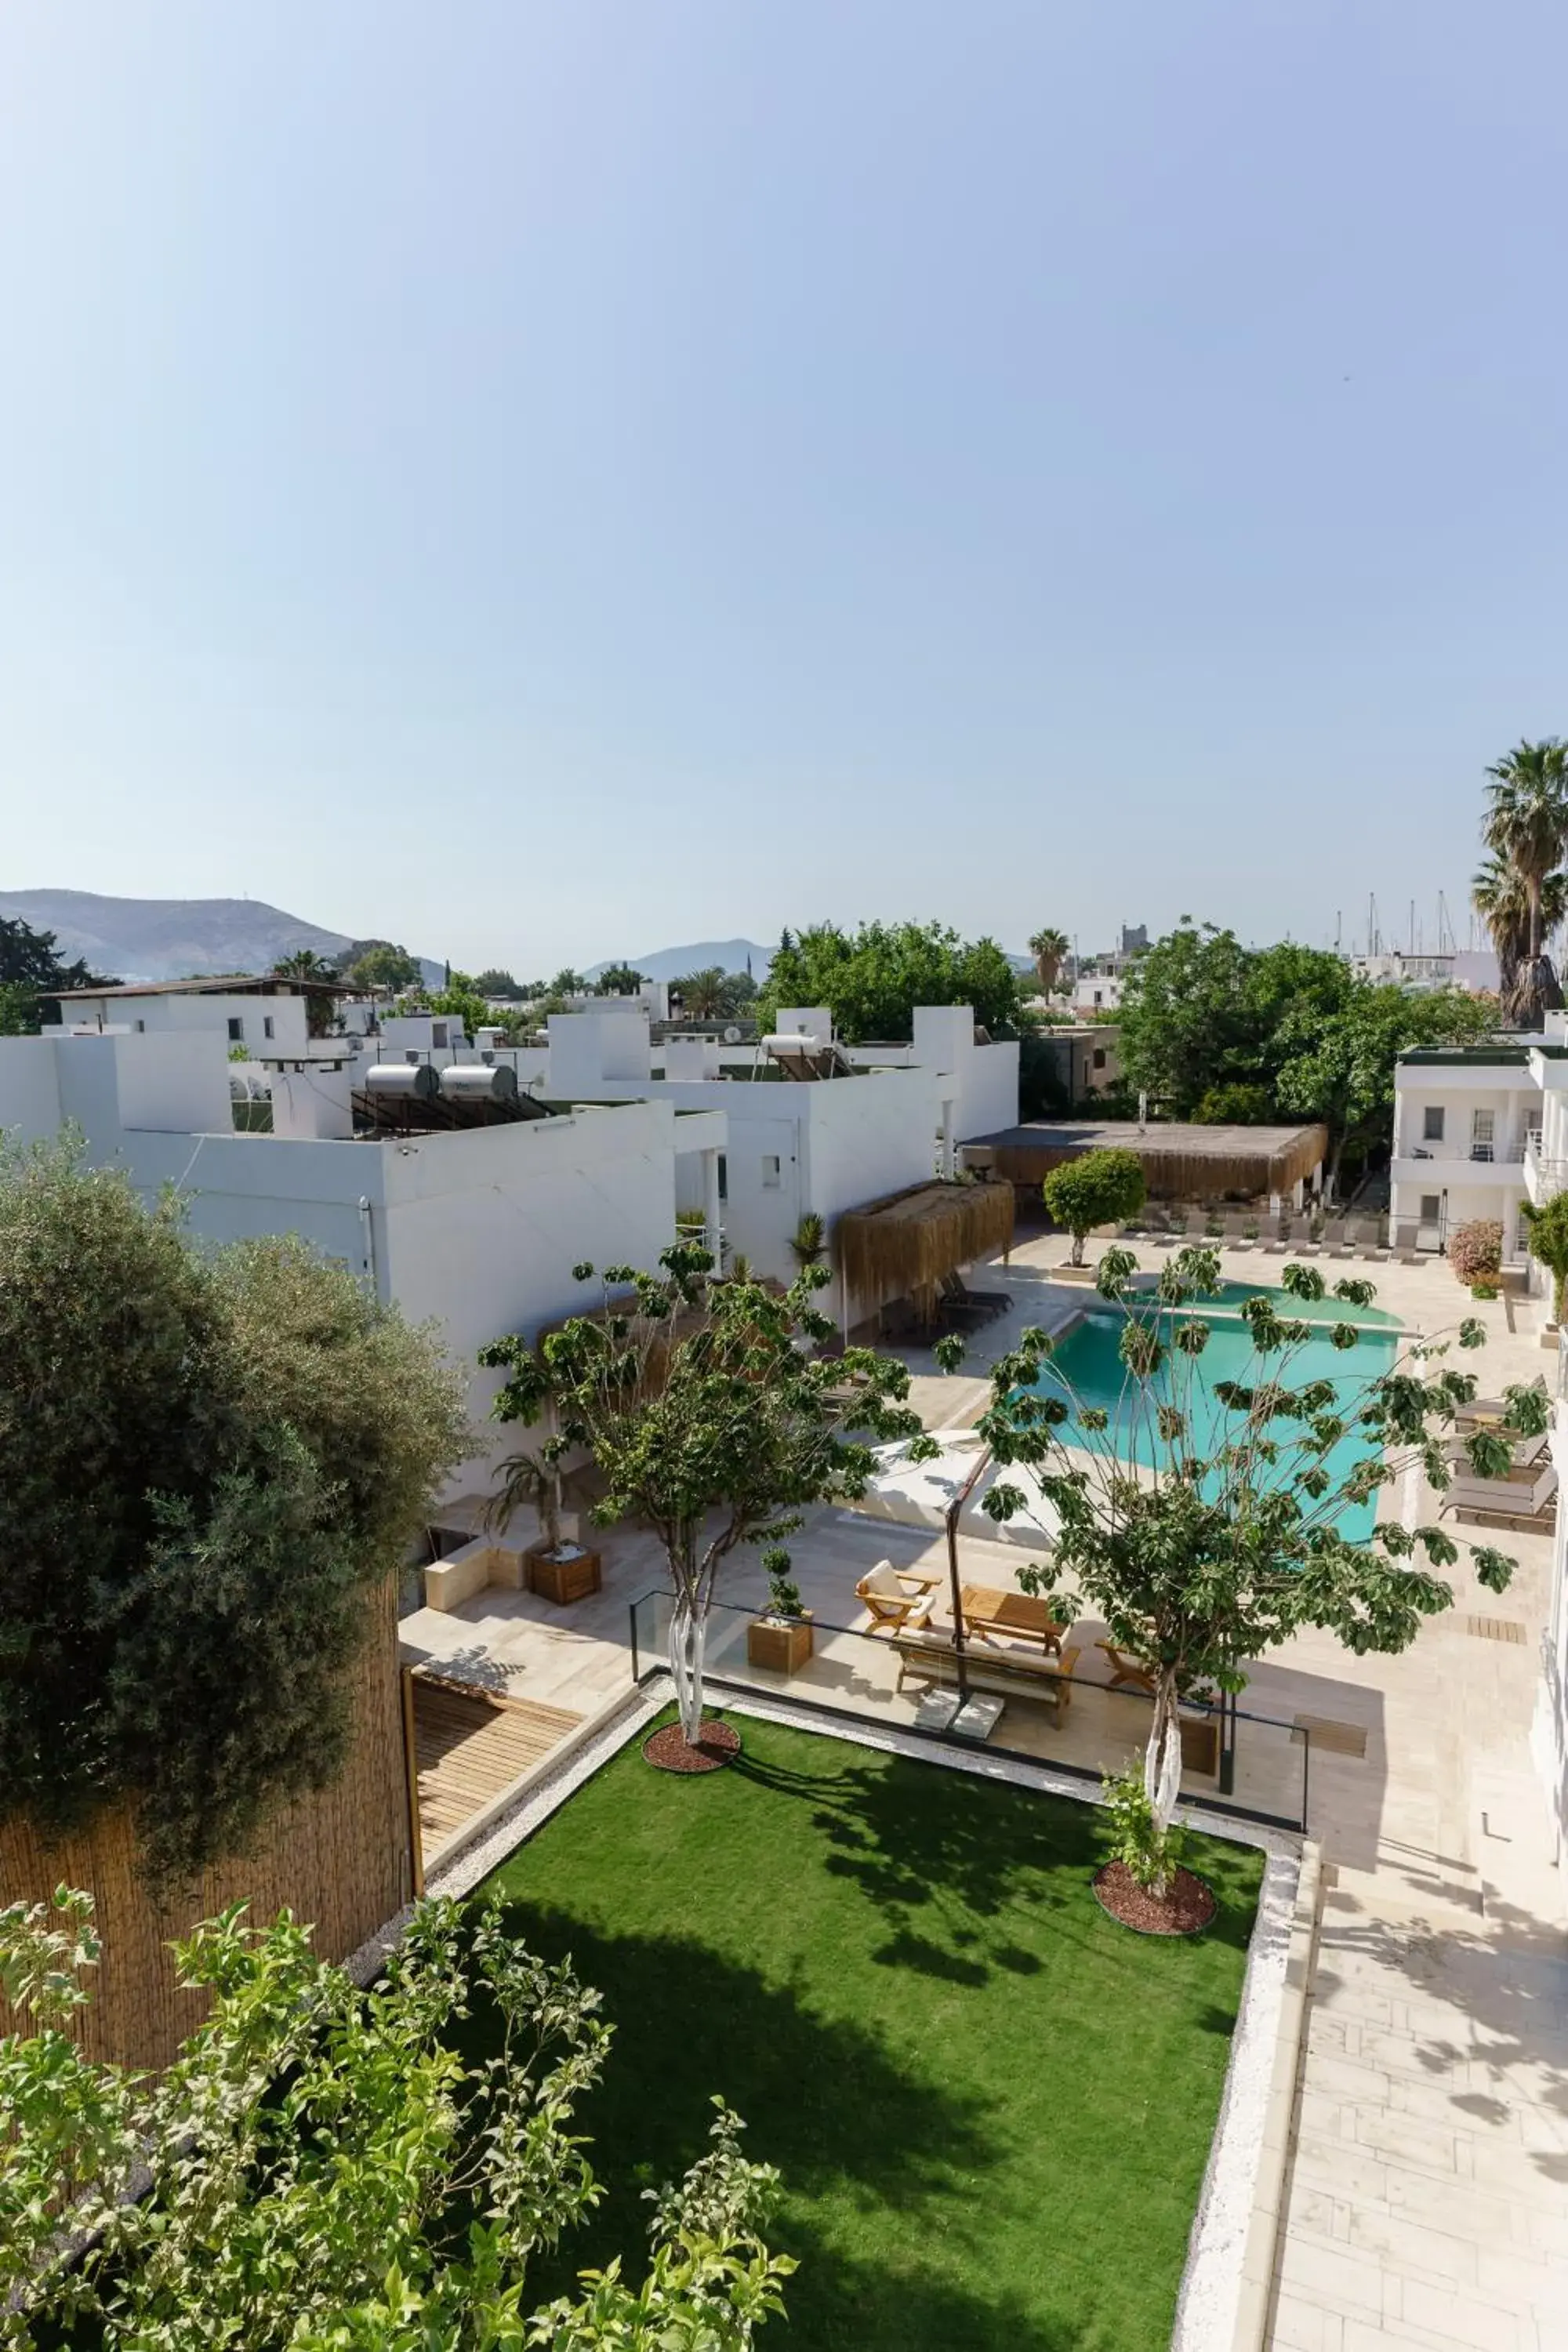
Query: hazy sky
point(548, 482)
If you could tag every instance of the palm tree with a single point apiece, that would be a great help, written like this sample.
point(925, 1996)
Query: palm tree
point(1498, 897)
point(701, 993)
point(1526, 827)
point(1049, 951)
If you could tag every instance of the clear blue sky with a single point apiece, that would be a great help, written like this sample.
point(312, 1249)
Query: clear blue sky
point(555, 481)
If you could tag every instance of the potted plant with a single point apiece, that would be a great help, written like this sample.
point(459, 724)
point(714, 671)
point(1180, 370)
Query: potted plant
point(781, 1638)
point(557, 1567)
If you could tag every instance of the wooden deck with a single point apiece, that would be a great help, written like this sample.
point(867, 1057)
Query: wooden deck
point(470, 1745)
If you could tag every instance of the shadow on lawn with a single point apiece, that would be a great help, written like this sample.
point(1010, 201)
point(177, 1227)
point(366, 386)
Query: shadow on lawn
point(939, 1861)
point(824, 2102)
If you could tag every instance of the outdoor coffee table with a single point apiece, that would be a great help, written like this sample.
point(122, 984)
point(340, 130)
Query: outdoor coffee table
point(987, 1611)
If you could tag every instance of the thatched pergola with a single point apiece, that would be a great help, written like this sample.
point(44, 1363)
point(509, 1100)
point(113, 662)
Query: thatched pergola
point(903, 1245)
point(1181, 1162)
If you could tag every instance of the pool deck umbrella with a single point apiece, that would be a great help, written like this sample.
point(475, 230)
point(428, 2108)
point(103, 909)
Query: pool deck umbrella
point(905, 1245)
point(1180, 1161)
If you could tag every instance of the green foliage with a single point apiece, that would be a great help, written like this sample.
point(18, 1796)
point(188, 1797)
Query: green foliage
point(1050, 949)
point(379, 964)
point(30, 966)
point(1475, 1251)
point(1203, 1561)
point(1235, 1105)
point(205, 1463)
point(1149, 1849)
point(708, 1420)
point(1525, 829)
point(1098, 1188)
point(1548, 1230)
point(784, 1594)
point(713, 995)
point(872, 979)
point(808, 1242)
point(1214, 1030)
point(1342, 1069)
point(329, 2171)
point(619, 980)
point(495, 981)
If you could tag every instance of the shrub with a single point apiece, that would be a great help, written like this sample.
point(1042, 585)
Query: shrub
point(1548, 1228)
point(206, 1462)
point(1475, 1251)
point(1152, 1855)
point(1483, 1290)
point(1102, 1188)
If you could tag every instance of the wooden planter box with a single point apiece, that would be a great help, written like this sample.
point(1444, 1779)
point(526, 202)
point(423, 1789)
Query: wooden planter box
point(1200, 1744)
point(563, 1581)
point(781, 1644)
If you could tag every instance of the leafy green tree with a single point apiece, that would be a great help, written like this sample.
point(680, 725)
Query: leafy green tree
point(462, 1000)
point(330, 2172)
point(495, 982)
point(1098, 1188)
point(1527, 828)
point(306, 964)
point(30, 966)
point(378, 964)
point(1235, 1105)
point(207, 1461)
point(1548, 1228)
point(707, 1420)
point(619, 980)
point(872, 979)
point(1240, 1525)
point(568, 983)
point(1200, 1011)
point(1340, 1069)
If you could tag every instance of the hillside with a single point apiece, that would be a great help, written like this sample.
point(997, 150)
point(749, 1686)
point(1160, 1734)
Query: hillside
point(169, 939)
point(672, 963)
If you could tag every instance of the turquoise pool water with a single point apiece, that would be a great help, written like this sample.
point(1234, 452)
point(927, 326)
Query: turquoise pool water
point(1087, 1371)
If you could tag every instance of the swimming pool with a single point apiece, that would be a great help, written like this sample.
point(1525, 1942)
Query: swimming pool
point(1087, 1371)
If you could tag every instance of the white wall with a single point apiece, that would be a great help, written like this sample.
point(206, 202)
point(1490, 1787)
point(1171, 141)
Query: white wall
point(277, 1023)
point(29, 1090)
point(173, 1081)
point(587, 1048)
point(1549, 1736)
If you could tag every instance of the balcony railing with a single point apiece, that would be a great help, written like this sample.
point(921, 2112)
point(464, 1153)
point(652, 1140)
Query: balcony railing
point(1544, 1176)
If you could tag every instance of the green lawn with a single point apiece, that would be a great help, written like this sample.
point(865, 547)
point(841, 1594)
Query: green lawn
point(991, 2106)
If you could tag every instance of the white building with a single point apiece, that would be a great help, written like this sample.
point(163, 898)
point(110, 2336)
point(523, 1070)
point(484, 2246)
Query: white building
point(1464, 1120)
point(480, 1228)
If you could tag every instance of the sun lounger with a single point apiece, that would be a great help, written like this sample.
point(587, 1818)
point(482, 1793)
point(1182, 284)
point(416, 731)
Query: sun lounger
point(1369, 1239)
point(1236, 1236)
point(1405, 1248)
point(1334, 1242)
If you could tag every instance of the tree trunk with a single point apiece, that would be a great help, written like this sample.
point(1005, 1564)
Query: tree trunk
point(688, 1643)
point(1331, 1188)
point(1077, 1258)
point(1162, 1758)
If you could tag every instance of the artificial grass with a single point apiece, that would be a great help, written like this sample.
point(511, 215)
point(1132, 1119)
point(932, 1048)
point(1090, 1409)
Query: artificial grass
point(992, 2105)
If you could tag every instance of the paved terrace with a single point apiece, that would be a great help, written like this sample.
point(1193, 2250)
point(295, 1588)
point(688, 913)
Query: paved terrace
point(1428, 2198)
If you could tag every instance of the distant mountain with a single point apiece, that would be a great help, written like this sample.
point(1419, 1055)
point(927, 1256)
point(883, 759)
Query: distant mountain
point(673, 963)
point(169, 939)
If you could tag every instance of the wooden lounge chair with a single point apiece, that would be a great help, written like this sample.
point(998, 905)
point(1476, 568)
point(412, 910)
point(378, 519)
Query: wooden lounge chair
point(896, 1596)
point(1126, 1670)
point(928, 1655)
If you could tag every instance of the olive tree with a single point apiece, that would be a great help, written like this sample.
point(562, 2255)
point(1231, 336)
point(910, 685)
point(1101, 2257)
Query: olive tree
point(1098, 1188)
point(1206, 1527)
point(324, 2168)
point(208, 1460)
point(710, 1419)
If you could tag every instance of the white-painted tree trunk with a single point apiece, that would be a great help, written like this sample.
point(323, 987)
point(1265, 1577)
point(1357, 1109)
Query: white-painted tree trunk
point(1162, 1757)
point(687, 1643)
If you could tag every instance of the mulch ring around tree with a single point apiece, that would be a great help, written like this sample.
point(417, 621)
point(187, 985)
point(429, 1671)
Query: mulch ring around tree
point(716, 1744)
point(1185, 1910)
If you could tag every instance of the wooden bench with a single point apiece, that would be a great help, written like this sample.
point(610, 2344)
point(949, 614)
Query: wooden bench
point(933, 1657)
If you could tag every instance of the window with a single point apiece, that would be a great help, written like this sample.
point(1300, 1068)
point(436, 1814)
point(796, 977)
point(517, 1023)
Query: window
point(266, 1031)
point(1432, 1123)
point(1100, 1057)
point(140, 1028)
point(236, 1033)
point(773, 1171)
point(439, 1033)
point(1431, 1208)
point(1099, 996)
point(1483, 1131)
point(724, 1176)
